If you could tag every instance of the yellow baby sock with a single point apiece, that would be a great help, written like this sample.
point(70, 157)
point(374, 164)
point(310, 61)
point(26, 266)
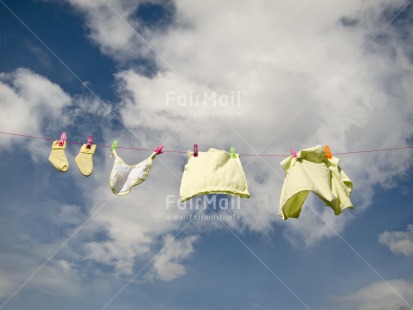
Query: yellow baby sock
point(84, 159)
point(58, 157)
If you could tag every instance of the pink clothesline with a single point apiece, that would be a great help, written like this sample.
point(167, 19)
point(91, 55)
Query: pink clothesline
point(184, 152)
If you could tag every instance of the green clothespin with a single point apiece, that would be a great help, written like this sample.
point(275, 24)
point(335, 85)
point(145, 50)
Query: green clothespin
point(233, 154)
point(114, 144)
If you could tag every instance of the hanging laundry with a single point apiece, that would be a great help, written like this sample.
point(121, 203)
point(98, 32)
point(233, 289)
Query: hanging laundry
point(123, 177)
point(312, 170)
point(84, 160)
point(213, 172)
point(57, 156)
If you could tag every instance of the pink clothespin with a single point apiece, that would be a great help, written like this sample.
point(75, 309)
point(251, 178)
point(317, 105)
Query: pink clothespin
point(62, 139)
point(89, 142)
point(159, 150)
point(293, 153)
point(327, 150)
point(195, 150)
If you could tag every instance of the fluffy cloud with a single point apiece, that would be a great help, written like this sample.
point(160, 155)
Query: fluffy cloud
point(399, 242)
point(306, 74)
point(124, 230)
point(393, 295)
point(316, 222)
point(59, 277)
point(27, 100)
point(167, 263)
point(32, 105)
point(111, 26)
point(307, 80)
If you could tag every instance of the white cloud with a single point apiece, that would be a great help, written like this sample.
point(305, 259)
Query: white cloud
point(354, 103)
point(59, 277)
point(379, 296)
point(399, 242)
point(126, 229)
point(26, 101)
point(279, 65)
point(70, 214)
point(111, 25)
point(167, 264)
point(31, 105)
point(315, 223)
point(305, 78)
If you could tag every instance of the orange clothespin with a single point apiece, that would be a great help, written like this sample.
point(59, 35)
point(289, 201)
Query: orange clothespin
point(327, 150)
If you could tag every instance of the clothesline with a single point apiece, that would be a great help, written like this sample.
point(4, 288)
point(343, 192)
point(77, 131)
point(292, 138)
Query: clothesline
point(184, 152)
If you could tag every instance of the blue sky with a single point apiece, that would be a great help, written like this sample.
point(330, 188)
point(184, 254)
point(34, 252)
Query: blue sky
point(307, 73)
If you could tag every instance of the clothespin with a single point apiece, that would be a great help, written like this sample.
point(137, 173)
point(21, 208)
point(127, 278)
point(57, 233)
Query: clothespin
point(327, 150)
point(89, 142)
point(159, 150)
point(62, 139)
point(293, 153)
point(233, 154)
point(195, 150)
point(114, 144)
